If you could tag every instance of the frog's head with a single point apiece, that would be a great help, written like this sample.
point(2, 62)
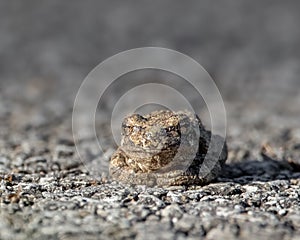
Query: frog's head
point(154, 132)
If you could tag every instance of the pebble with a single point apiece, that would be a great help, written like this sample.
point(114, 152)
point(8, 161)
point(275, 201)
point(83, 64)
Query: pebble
point(172, 211)
point(251, 189)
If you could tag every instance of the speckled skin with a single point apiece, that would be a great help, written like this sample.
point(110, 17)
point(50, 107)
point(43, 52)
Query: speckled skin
point(165, 148)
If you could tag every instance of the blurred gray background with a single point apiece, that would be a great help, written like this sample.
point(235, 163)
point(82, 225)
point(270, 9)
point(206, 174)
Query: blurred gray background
point(251, 48)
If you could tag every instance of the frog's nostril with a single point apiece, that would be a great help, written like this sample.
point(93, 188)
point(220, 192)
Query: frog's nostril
point(138, 117)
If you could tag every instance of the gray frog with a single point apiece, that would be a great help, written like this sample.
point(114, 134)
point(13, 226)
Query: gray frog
point(167, 148)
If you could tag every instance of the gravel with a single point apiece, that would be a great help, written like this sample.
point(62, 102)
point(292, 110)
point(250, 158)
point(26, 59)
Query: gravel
point(46, 192)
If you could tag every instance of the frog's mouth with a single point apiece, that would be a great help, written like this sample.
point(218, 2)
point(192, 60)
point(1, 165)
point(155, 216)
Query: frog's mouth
point(148, 161)
point(142, 151)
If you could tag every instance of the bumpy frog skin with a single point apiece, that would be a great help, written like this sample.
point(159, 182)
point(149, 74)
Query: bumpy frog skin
point(166, 148)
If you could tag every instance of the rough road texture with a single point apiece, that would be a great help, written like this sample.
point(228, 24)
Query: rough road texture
point(251, 48)
point(159, 149)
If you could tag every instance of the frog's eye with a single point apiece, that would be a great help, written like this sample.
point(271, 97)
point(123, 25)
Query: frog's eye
point(148, 135)
point(170, 128)
point(136, 129)
point(125, 125)
point(133, 120)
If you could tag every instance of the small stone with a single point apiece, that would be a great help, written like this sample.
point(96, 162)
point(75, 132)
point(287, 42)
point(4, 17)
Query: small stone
point(251, 189)
point(282, 212)
point(186, 223)
point(172, 211)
